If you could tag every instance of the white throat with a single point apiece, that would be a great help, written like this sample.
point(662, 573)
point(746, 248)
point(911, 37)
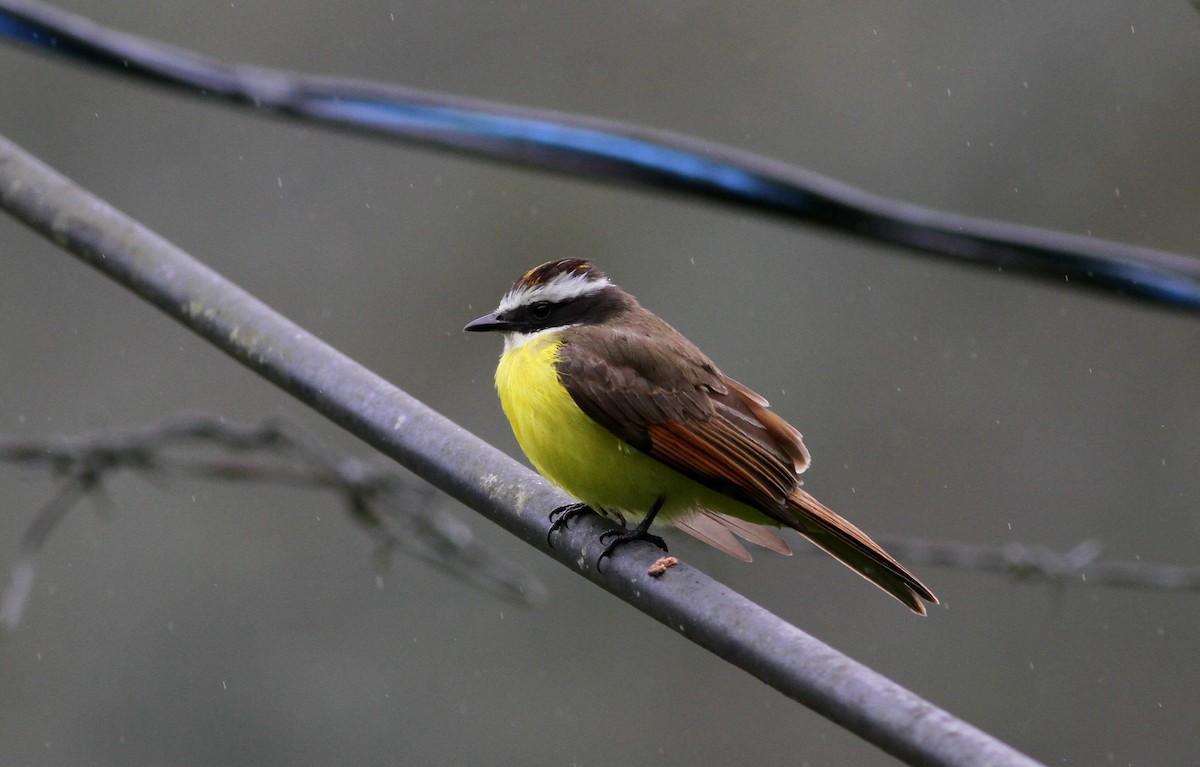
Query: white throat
point(514, 341)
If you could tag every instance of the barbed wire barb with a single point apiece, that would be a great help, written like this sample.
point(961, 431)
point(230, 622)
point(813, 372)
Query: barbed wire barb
point(1078, 566)
point(400, 514)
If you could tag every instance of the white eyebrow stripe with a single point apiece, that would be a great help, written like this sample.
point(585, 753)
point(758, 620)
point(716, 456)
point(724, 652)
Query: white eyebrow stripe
point(562, 288)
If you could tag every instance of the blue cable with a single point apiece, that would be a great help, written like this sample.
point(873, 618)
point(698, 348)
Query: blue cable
point(597, 149)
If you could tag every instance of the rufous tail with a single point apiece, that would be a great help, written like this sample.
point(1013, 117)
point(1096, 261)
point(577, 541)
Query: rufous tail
point(855, 550)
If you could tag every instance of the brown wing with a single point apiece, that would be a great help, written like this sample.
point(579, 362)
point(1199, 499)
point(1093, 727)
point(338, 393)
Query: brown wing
point(660, 394)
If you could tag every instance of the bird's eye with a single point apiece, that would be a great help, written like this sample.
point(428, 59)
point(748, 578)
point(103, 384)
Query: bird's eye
point(540, 310)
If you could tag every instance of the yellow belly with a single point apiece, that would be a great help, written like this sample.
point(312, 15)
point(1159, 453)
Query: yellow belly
point(583, 458)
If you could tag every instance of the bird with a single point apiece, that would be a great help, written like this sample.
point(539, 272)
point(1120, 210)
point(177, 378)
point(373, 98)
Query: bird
point(627, 416)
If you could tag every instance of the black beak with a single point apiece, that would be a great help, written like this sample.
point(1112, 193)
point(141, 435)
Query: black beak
point(487, 322)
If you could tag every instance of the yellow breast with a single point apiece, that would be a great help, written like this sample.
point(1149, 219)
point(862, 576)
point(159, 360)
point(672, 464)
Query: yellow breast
point(564, 445)
point(580, 456)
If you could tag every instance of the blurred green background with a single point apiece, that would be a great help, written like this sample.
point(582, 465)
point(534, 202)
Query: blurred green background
point(210, 624)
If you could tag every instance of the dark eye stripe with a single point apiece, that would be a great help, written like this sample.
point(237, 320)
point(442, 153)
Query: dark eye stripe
point(588, 309)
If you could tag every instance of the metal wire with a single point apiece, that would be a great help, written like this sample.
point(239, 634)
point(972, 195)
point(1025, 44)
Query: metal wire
point(684, 599)
point(598, 149)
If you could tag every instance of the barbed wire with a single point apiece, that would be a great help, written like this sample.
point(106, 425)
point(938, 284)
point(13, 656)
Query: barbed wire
point(1078, 566)
point(400, 514)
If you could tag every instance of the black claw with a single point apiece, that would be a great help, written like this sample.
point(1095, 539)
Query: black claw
point(622, 537)
point(639, 533)
point(562, 516)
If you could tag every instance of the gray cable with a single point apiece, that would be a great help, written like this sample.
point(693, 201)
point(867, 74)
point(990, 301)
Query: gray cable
point(684, 599)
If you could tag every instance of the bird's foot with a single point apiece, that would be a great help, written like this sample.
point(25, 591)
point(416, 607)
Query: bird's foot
point(622, 537)
point(561, 518)
point(642, 532)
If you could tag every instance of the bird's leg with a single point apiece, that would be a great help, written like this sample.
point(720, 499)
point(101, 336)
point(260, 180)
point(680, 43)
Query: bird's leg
point(562, 516)
point(639, 533)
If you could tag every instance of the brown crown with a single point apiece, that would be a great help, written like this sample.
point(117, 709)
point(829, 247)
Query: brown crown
point(547, 272)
